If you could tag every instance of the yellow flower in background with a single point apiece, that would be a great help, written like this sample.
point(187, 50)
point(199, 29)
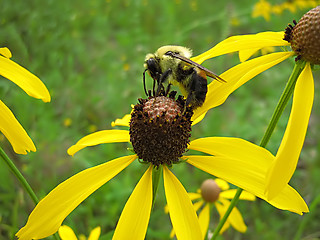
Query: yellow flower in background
point(235, 21)
point(33, 86)
point(277, 9)
point(66, 233)
point(290, 6)
point(302, 4)
point(265, 9)
point(262, 8)
point(217, 193)
point(304, 46)
point(67, 122)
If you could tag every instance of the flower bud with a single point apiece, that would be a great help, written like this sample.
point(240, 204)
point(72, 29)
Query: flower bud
point(210, 190)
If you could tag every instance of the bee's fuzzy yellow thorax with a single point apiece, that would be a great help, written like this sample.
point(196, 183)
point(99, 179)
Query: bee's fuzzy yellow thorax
point(183, 51)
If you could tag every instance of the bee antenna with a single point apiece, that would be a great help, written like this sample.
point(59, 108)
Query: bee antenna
point(144, 82)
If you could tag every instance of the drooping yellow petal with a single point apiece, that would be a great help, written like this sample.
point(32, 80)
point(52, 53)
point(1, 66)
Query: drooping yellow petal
point(4, 51)
point(287, 156)
point(49, 213)
point(182, 214)
point(246, 54)
point(30, 83)
point(95, 234)
point(245, 165)
point(235, 217)
point(14, 132)
point(231, 147)
point(222, 184)
point(66, 233)
point(122, 121)
point(135, 216)
point(258, 65)
point(192, 196)
point(222, 210)
point(105, 136)
point(204, 218)
point(243, 42)
point(198, 119)
point(236, 77)
point(249, 176)
point(229, 194)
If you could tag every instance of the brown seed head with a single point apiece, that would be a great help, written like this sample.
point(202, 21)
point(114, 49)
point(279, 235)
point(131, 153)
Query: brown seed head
point(159, 132)
point(305, 36)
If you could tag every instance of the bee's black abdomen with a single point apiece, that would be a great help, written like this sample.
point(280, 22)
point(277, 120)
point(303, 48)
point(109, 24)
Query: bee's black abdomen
point(200, 86)
point(198, 89)
point(196, 86)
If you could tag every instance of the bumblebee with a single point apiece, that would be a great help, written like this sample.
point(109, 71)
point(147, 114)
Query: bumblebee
point(172, 64)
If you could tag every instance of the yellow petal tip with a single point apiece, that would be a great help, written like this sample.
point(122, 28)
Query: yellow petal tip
point(5, 52)
point(72, 150)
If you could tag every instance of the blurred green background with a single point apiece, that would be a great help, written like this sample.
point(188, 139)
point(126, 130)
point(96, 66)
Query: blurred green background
point(90, 56)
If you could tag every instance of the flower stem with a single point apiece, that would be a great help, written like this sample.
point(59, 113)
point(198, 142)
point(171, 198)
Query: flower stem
point(22, 180)
point(19, 176)
point(156, 174)
point(227, 213)
point(286, 95)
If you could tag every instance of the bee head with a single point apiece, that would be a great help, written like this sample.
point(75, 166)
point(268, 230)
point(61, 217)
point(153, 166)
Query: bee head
point(152, 65)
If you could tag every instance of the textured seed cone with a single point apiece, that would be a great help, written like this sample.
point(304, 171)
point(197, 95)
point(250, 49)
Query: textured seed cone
point(159, 130)
point(210, 190)
point(305, 37)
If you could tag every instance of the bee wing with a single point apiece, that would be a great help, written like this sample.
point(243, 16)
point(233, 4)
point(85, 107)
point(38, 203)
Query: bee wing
point(187, 60)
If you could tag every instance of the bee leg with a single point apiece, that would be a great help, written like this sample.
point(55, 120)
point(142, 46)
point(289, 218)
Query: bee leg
point(168, 89)
point(153, 87)
point(162, 79)
point(144, 82)
point(188, 101)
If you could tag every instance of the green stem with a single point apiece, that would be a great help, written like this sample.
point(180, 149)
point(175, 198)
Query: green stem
point(19, 176)
point(156, 174)
point(227, 213)
point(22, 180)
point(286, 95)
